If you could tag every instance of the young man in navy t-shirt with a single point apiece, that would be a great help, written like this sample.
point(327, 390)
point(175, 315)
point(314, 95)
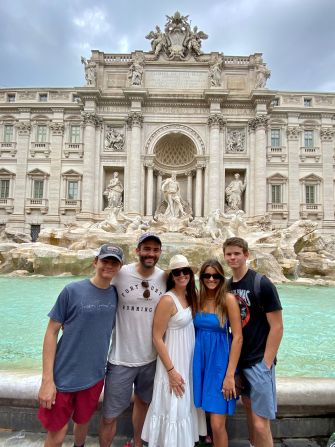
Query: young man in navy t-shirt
point(74, 368)
point(262, 328)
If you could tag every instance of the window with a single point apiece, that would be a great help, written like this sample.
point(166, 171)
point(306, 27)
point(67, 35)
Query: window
point(307, 102)
point(11, 97)
point(275, 102)
point(43, 97)
point(276, 193)
point(75, 134)
point(275, 137)
point(8, 133)
point(310, 193)
point(75, 98)
point(34, 232)
point(41, 134)
point(4, 189)
point(38, 189)
point(308, 138)
point(72, 190)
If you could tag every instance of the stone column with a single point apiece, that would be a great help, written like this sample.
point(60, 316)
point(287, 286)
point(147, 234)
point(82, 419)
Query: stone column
point(250, 194)
point(134, 122)
point(293, 133)
point(150, 187)
point(159, 189)
point(57, 131)
point(215, 121)
point(260, 124)
point(327, 141)
point(189, 194)
point(17, 219)
point(198, 191)
point(91, 121)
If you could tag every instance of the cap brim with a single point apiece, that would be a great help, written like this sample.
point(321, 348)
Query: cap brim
point(154, 238)
point(110, 256)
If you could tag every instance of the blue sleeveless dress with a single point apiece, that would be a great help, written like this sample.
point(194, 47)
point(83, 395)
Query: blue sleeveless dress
point(210, 361)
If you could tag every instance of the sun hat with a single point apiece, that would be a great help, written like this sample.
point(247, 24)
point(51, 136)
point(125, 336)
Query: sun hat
point(110, 251)
point(179, 262)
point(148, 235)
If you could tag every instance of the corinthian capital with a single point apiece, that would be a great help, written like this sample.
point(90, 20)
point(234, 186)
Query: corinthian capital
point(23, 127)
point(258, 122)
point(91, 118)
point(215, 120)
point(293, 133)
point(327, 134)
point(135, 119)
point(57, 128)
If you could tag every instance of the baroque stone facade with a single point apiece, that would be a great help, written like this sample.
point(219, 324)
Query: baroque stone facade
point(148, 114)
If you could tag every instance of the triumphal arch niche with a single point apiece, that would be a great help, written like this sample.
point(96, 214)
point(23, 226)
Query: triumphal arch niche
point(176, 110)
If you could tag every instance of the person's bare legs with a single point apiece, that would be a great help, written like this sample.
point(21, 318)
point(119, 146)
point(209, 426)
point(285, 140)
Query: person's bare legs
point(139, 412)
point(55, 438)
point(259, 427)
point(107, 431)
point(218, 424)
point(80, 433)
point(247, 407)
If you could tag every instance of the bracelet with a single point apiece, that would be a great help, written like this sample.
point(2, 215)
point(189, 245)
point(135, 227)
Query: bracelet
point(168, 370)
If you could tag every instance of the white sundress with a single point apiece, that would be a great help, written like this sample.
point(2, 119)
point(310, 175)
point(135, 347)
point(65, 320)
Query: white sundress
point(171, 420)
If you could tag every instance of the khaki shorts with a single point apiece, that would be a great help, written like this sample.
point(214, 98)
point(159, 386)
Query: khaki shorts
point(119, 383)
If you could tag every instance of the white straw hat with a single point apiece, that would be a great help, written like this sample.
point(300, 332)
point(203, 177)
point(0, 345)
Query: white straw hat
point(179, 262)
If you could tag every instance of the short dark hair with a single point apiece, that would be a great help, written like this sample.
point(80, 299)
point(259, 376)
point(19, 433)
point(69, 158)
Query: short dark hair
point(238, 241)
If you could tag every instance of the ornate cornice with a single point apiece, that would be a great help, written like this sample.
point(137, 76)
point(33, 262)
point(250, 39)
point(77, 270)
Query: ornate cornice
point(216, 120)
point(134, 119)
point(293, 132)
point(327, 134)
point(57, 128)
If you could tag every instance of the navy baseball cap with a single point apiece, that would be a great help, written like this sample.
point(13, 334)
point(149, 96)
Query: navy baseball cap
point(148, 235)
point(110, 251)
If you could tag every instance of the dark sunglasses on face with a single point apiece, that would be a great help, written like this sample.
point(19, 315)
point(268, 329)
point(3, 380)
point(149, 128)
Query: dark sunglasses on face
point(146, 293)
point(211, 275)
point(185, 271)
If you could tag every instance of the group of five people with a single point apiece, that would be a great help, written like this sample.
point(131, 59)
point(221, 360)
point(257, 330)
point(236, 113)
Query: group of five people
point(197, 336)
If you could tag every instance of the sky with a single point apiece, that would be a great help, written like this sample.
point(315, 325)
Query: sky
point(41, 41)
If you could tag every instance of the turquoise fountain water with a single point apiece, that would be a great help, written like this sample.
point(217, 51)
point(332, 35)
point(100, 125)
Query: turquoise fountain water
point(308, 347)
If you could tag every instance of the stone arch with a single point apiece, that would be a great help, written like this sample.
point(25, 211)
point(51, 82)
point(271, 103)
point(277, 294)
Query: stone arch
point(173, 129)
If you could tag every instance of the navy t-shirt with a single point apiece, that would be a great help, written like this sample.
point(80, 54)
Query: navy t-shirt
point(88, 317)
point(255, 326)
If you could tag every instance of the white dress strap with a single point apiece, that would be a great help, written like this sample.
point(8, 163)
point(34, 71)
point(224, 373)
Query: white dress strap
point(175, 300)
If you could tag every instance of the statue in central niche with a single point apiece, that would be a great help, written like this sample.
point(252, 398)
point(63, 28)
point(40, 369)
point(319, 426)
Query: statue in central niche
point(234, 193)
point(171, 192)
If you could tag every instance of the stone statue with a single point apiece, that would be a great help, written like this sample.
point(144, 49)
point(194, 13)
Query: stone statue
point(114, 140)
point(90, 72)
point(158, 40)
point(262, 76)
point(235, 141)
point(171, 191)
point(135, 73)
point(193, 40)
point(215, 71)
point(114, 193)
point(234, 193)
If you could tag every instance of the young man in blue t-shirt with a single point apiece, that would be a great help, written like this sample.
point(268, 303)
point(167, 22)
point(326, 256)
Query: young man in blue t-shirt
point(74, 368)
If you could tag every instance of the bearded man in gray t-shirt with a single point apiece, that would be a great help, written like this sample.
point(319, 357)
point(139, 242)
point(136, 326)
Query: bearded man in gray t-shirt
point(132, 359)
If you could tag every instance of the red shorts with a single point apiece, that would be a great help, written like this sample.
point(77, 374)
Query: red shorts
point(80, 405)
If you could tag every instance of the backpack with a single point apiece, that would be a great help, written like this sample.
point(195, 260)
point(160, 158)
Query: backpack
point(257, 288)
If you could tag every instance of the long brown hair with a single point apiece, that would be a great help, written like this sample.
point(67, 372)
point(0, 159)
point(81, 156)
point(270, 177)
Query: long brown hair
point(191, 291)
point(220, 294)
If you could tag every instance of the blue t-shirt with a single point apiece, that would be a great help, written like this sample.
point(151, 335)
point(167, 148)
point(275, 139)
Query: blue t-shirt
point(88, 317)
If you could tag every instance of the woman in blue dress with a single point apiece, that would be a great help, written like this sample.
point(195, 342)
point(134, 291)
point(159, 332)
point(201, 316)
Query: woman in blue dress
point(218, 343)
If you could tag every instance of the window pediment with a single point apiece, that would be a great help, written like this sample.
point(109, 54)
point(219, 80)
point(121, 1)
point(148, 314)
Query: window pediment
point(37, 173)
point(5, 173)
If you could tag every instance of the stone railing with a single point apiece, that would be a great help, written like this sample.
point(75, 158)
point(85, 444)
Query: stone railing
point(73, 148)
point(276, 151)
point(112, 58)
point(37, 204)
point(8, 149)
point(7, 204)
point(310, 152)
point(277, 207)
point(70, 204)
point(309, 209)
point(237, 60)
point(40, 148)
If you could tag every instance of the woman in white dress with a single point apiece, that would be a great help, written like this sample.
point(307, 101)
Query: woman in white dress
point(172, 419)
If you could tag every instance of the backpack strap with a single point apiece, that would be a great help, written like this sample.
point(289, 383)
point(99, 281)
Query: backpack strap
point(257, 289)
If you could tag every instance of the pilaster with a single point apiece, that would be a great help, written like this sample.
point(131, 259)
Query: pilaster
point(293, 135)
point(327, 150)
point(215, 122)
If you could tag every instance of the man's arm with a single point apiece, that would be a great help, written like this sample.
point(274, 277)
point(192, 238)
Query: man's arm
point(275, 335)
point(47, 392)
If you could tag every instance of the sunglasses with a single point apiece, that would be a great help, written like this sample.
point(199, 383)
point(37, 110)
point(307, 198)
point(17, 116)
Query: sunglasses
point(185, 271)
point(216, 276)
point(146, 293)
